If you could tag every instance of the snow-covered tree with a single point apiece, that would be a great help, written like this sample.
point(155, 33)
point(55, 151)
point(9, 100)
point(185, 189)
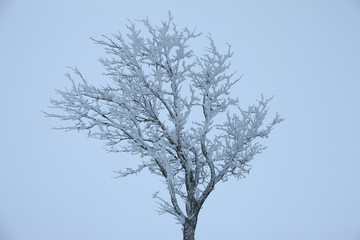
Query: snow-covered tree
point(173, 109)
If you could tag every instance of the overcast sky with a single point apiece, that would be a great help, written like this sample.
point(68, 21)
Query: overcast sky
point(306, 186)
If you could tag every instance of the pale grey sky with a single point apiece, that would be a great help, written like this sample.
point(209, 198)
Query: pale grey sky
point(305, 186)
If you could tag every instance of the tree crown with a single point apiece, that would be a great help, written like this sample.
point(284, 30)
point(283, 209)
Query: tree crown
point(158, 85)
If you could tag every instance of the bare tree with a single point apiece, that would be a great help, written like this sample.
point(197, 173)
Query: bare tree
point(146, 111)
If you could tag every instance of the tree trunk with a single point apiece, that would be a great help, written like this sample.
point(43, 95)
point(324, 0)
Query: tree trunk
point(189, 229)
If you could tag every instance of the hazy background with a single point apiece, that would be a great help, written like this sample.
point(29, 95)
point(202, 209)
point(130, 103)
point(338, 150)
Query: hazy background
point(306, 186)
